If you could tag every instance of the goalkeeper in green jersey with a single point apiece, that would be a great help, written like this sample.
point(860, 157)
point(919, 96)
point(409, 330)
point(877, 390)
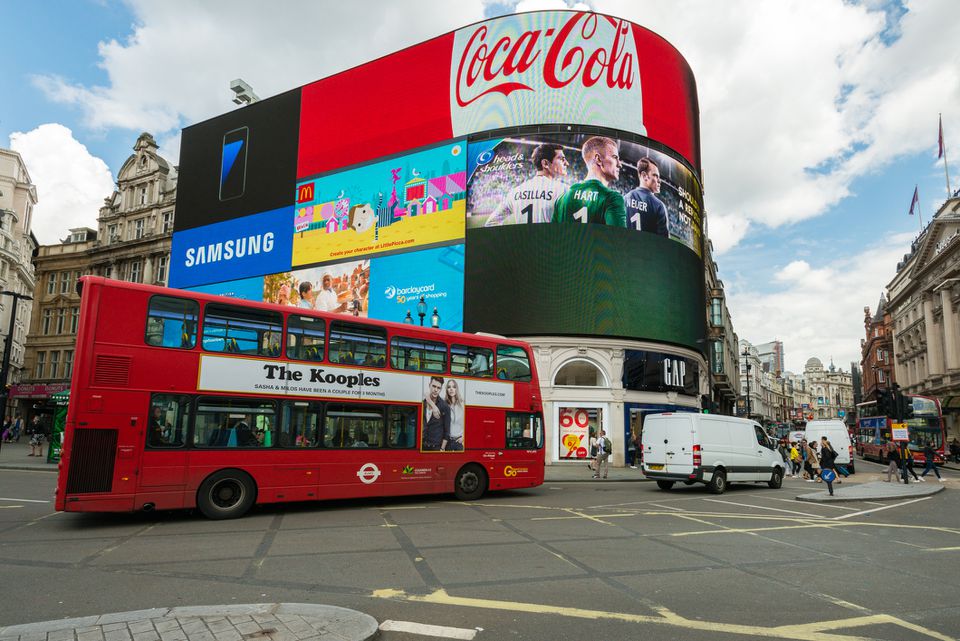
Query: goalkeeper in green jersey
point(592, 201)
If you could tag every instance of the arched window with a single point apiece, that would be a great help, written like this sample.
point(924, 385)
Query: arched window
point(580, 373)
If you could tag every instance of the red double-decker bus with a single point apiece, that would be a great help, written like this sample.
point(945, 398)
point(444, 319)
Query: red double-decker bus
point(184, 400)
point(873, 431)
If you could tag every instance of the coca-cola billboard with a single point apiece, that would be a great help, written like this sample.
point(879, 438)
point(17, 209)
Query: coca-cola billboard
point(555, 67)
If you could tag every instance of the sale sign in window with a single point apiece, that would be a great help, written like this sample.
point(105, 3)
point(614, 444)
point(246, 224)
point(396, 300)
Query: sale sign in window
point(576, 426)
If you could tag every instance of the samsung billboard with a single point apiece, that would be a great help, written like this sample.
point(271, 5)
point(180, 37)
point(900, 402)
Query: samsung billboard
point(540, 178)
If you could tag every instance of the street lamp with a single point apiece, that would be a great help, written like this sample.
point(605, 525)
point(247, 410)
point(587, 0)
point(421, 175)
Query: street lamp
point(408, 319)
point(435, 318)
point(7, 348)
point(746, 357)
point(421, 309)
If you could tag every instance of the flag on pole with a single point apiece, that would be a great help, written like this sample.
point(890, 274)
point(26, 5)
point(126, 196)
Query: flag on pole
point(940, 139)
point(915, 203)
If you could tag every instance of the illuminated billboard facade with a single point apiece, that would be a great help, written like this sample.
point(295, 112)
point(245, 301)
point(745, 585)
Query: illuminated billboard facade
point(539, 175)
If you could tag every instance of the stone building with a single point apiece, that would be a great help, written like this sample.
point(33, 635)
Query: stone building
point(18, 197)
point(132, 243)
point(923, 300)
point(722, 342)
point(830, 389)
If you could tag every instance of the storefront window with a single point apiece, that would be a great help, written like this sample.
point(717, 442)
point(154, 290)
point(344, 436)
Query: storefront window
point(576, 426)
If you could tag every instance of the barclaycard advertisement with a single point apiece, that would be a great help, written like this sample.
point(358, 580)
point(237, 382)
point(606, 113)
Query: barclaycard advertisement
point(582, 178)
point(391, 206)
point(230, 250)
point(435, 275)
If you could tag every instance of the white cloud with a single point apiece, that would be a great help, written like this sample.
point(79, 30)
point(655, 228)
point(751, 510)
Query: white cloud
point(71, 183)
point(819, 311)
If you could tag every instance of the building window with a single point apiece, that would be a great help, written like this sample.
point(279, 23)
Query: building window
point(138, 226)
point(716, 362)
point(47, 320)
point(136, 271)
point(143, 195)
point(161, 270)
point(580, 373)
point(74, 320)
point(167, 222)
point(880, 376)
point(64, 282)
point(68, 363)
point(61, 322)
point(716, 312)
point(113, 233)
point(54, 363)
point(879, 354)
point(52, 284)
point(41, 357)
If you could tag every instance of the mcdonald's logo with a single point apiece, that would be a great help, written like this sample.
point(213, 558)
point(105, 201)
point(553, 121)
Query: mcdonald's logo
point(305, 193)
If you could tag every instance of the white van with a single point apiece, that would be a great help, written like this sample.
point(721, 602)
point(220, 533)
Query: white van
point(836, 432)
point(707, 448)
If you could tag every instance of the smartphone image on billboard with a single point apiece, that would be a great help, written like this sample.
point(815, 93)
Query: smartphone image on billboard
point(233, 163)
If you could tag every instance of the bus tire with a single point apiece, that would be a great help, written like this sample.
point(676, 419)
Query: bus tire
point(226, 494)
point(471, 483)
point(665, 485)
point(719, 482)
point(776, 479)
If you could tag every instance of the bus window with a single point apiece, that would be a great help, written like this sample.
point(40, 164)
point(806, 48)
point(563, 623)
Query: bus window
point(347, 425)
point(305, 338)
point(357, 345)
point(512, 363)
point(239, 330)
point(401, 427)
point(524, 431)
point(417, 355)
point(172, 322)
point(301, 424)
point(169, 418)
point(234, 422)
point(471, 361)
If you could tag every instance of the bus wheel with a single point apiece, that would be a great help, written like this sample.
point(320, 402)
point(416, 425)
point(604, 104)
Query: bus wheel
point(776, 480)
point(471, 483)
point(718, 483)
point(226, 494)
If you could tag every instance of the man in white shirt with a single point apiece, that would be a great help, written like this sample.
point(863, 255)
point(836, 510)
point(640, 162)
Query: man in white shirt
point(327, 299)
point(532, 201)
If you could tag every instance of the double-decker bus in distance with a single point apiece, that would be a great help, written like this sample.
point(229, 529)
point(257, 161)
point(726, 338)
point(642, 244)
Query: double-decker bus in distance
point(184, 400)
point(873, 429)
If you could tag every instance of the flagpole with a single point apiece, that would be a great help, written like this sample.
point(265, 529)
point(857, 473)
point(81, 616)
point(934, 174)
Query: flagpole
point(943, 150)
point(919, 210)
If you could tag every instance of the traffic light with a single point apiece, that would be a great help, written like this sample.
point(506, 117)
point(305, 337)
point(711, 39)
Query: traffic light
point(905, 405)
point(885, 403)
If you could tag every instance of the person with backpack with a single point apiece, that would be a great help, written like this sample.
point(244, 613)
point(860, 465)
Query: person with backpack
point(604, 448)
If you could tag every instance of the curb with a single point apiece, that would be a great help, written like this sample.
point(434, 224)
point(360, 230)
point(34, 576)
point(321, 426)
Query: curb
point(824, 497)
point(340, 623)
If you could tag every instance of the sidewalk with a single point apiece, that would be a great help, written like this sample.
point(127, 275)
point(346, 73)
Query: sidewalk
point(875, 491)
point(15, 456)
point(265, 621)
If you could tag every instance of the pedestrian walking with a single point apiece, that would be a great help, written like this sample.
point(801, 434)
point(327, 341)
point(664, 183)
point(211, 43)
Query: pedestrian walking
point(812, 464)
point(893, 456)
point(955, 450)
point(827, 464)
point(785, 455)
point(634, 448)
point(7, 431)
point(906, 460)
point(592, 441)
point(930, 455)
point(825, 444)
point(37, 434)
point(604, 448)
point(17, 428)
point(795, 458)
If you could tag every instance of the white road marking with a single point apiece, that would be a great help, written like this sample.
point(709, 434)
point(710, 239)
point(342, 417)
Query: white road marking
point(4, 498)
point(760, 507)
point(835, 507)
point(880, 509)
point(424, 629)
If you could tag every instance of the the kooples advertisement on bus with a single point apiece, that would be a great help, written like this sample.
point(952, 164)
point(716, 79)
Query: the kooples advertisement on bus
point(551, 67)
point(391, 206)
point(442, 398)
point(582, 178)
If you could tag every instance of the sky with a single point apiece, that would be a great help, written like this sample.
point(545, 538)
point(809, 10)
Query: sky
point(818, 119)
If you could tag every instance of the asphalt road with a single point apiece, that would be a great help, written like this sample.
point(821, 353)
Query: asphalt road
point(601, 560)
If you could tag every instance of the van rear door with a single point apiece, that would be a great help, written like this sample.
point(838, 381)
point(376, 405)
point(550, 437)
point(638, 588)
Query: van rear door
point(668, 444)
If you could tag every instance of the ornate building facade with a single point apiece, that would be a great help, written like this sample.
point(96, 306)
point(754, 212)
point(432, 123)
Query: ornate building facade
point(876, 351)
point(18, 197)
point(722, 342)
point(132, 243)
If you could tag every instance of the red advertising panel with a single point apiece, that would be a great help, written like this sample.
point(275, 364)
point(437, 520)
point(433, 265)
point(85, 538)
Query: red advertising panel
point(535, 68)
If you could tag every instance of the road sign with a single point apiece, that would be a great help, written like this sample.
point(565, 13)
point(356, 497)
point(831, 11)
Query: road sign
point(841, 413)
point(899, 432)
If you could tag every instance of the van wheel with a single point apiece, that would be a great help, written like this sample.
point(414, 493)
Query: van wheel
point(665, 485)
point(471, 483)
point(226, 494)
point(776, 480)
point(718, 483)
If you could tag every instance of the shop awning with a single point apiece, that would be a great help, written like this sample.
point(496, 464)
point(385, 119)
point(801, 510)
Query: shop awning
point(61, 398)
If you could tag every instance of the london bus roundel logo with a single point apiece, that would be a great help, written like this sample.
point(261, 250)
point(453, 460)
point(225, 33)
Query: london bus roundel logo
point(369, 473)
